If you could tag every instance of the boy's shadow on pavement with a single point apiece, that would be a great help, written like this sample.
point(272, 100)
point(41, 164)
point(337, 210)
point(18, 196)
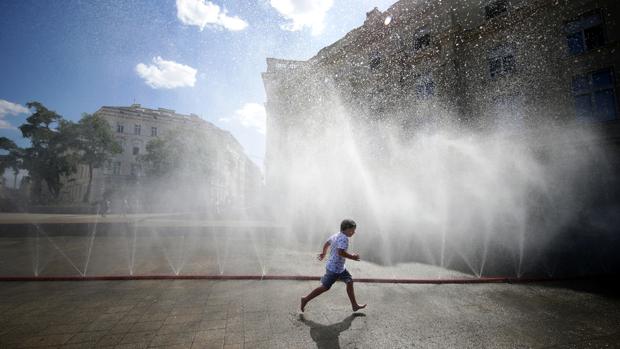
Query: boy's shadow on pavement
point(326, 336)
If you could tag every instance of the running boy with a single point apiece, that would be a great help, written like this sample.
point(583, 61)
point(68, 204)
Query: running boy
point(335, 270)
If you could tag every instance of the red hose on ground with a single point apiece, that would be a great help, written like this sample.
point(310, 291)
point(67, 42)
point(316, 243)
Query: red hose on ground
point(481, 280)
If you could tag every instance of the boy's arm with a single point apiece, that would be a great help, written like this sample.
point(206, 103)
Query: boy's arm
point(324, 252)
point(345, 254)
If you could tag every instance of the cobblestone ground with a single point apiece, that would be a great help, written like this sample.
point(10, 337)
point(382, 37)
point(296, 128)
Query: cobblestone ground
point(264, 314)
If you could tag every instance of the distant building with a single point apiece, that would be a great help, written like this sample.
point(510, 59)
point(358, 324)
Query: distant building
point(482, 64)
point(234, 181)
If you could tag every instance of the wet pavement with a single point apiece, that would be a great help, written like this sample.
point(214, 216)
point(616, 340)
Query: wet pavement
point(264, 314)
point(87, 245)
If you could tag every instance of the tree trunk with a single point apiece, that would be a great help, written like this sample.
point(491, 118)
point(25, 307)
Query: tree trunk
point(90, 182)
point(15, 180)
point(36, 190)
point(54, 187)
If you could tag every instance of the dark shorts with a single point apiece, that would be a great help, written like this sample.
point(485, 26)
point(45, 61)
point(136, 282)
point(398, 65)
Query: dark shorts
point(330, 277)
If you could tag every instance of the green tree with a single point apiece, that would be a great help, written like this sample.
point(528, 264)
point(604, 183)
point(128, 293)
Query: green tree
point(48, 158)
point(158, 159)
point(180, 154)
point(94, 142)
point(12, 159)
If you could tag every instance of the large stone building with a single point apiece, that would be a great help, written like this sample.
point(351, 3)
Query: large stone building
point(408, 122)
point(234, 180)
point(485, 65)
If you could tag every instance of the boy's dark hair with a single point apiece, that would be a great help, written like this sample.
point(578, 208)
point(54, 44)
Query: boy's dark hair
point(346, 224)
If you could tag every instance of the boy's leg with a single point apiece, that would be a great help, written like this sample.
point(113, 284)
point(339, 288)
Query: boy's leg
point(351, 294)
point(316, 292)
point(348, 279)
point(326, 283)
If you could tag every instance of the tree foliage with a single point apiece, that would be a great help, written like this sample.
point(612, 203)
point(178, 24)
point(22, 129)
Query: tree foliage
point(11, 157)
point(7, 144)
point(48, 158)
point(57, 146)
point(182, 154)
point(93, 141)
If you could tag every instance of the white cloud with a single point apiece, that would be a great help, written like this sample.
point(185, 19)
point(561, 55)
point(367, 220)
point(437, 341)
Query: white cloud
point(251, 115)
point(303, 13)
point(5, 124)
point(9, 108)
point(202, 13)
point(166, 74)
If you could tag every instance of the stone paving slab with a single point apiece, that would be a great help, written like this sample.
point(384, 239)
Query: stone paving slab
point(264, 314)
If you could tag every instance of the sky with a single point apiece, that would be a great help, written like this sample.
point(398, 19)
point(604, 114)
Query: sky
point(192, 56)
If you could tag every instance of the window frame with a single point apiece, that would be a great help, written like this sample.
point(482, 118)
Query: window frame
point(374, 60)
point(591, 93)
point(582, 32)
point(136, 169)
point(422, 82)
point(117, 170)
point(499, 54)
point(107, 167)
point(418, 38)
point(498, 14)
point(122, 142)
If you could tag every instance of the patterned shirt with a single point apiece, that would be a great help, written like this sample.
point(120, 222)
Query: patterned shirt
point(335, 263)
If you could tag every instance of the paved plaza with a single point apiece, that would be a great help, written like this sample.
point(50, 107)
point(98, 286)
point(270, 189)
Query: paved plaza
point(143, 219)
point(89, 245)
point(264, 314)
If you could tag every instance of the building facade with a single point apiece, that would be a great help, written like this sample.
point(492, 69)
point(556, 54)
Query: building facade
point(485, 65)
point(233, 180)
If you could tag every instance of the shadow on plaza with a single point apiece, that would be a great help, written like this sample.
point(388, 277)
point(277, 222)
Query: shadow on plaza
point(327, 336)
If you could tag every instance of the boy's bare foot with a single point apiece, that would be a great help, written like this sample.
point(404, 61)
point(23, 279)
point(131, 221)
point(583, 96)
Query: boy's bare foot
point(358, 307)
point(303, 303)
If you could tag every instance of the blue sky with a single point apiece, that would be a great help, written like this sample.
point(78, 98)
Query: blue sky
point(193, 56)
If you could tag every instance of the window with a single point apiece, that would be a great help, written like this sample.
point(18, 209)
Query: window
point(136, 146)
point(594, 96)
point(396, 39)
point(585, 33)
point(424, 86)
point(120, 128)
point(122, 143)
point(116, 168)
point(375, 60)
point(137, 129)
point(153, 131)
point(495, 8)
point(135, 169)
point(422, 39)
point(501, 61)
point(107, 168)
